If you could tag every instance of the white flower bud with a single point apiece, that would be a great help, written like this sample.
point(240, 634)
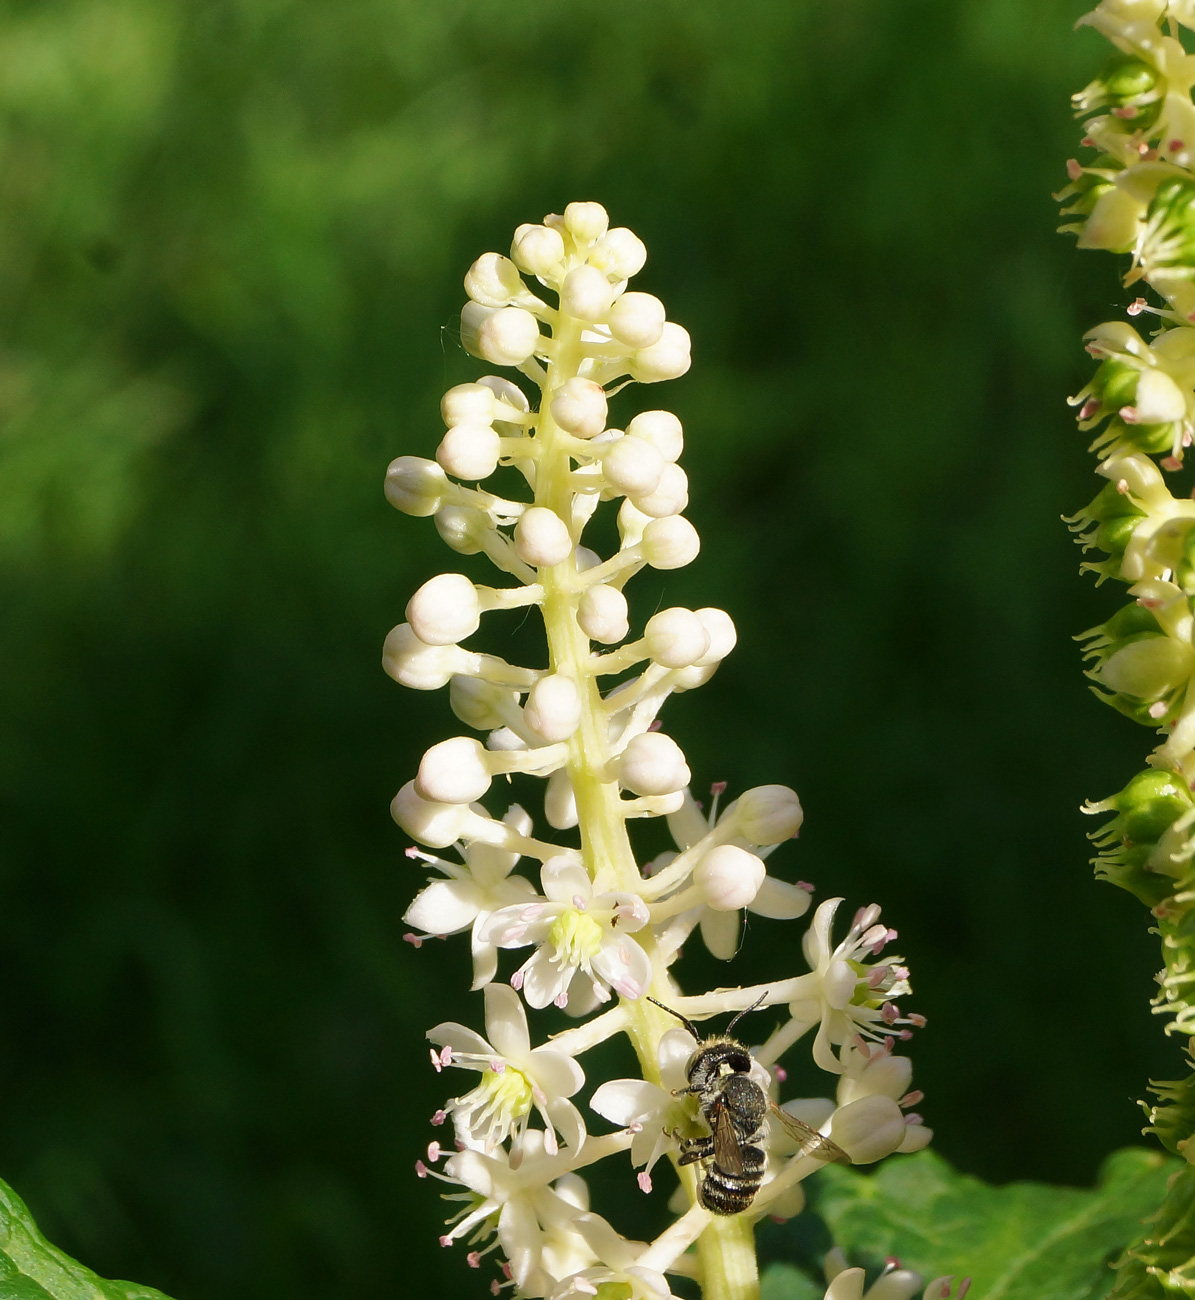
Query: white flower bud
point(463, 528)
point(619, 254)
point(454, 771)
point(602, 614)
point(580, 407)
point(507, 336)
point(768, 814)
point(467, 404)
point(662, 429)
point(478, 703)
point(729, 877)
point(538, 250)
point(586, 294)
point(504, 741)
point(415, 486)
point(668, 497)
point(723, 637)
point(435, 824)
point(445, 610)
point(667, 359)
point(494, 280)
point(469, 451)
point(586, 221)
point(1159, 399)
point(653, 764)
point(632, 465)
point(637, 319)
point(676, 638)
point(542, 538)
point(553, 708)
point(669, 543)
point(416, 664)
point(560, 801)
point(507, 392)
point(868, 1129)
point(689, 679)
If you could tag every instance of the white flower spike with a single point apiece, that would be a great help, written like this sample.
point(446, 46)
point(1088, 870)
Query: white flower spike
point(601, 929)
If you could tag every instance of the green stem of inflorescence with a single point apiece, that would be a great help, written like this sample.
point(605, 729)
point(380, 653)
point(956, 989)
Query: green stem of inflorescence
point(726, 1246)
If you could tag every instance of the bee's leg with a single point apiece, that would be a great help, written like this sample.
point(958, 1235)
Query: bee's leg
point(694, 1149)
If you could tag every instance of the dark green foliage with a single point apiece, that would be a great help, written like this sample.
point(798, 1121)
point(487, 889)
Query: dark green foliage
point(231, 250)
point(1023, 1241)
point(32, 1269)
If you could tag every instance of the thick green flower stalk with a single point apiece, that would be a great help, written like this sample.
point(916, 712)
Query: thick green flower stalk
point(1136, 196)
point(596, 930)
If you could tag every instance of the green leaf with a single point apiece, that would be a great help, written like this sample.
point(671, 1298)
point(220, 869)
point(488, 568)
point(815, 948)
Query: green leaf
point(1023, 1241)
point(32, 1269)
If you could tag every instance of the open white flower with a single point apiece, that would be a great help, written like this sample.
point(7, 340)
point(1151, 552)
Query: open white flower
point(618, 1268)
point(574, 930)
point(471, 893)
point(844, 995)
point(646, 1110)
point(515, 1080)
point(528, 1212)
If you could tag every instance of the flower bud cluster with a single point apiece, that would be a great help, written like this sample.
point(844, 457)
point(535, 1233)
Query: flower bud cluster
point(589, 926)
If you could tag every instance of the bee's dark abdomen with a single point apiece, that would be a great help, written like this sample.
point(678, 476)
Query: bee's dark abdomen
point(725, 1193)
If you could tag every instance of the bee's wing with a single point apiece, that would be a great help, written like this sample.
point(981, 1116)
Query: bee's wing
point(812, 1142)
point(727, 1153)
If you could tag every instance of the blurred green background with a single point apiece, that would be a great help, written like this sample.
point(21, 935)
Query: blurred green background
point(232, 239)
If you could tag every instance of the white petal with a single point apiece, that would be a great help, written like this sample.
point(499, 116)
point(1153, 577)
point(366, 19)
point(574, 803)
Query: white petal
point(632, 910)
point(566, 1120)
point(848, 1285)
point(676, 1046)
point(916, 1136)
point(564, 880)
point(506, 1022)
point(518, 925)
point(628, 1101)
point(838, 984)
point(543, 980)
point(520, 1236)
point(687, 825)
point(654, 1283)
point(816, 942)
point(460, 1038)
point(582, 998)
point(624, 966)
point(823, 1053)
point(610, 1247)
point(720, 932)
point(780, 900)
point(868, 1129)
point(557, 1074)
point(485, 955)
point(445, 907)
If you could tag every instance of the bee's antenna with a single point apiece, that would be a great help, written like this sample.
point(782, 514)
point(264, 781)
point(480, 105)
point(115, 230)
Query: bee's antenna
point(759, 1001)
point(688, 1024)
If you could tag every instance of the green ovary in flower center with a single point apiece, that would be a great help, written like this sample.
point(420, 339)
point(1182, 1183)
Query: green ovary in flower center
point(509, 1091)
point(614, 1291)
point(575, 937)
